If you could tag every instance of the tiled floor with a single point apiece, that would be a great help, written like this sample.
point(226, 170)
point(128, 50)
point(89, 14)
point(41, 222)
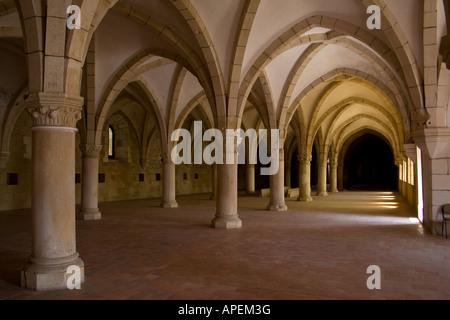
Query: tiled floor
point(318, 250)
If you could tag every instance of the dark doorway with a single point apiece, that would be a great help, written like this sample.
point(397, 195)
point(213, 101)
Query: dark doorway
point(369, 165)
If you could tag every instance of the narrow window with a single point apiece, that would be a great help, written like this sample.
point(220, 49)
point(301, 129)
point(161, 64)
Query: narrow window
point(111, 143)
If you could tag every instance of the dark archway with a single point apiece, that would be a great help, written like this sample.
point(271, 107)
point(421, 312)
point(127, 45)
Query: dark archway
point(294, 170)
point(369, 164)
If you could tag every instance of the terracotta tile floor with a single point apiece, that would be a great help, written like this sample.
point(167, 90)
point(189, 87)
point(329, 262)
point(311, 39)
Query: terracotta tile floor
point(319, 250)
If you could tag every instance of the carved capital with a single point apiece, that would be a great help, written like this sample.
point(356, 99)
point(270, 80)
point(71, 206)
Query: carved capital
point(166, 158)
point(54, 110)
point(302, 158)
point(91, 150)
point(334, 162)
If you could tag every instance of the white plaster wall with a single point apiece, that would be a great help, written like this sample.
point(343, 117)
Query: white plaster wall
point(160, 80)
point(275, 17)
point(409, 14)
point(330, 58)
point(190, 88)
point(10, 20)
point(279, 69)
point(13, 69)
point(221, 18)
point(118, 40)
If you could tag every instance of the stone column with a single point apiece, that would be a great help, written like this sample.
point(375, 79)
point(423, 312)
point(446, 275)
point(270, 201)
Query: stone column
point(305, 178)
point(227, 197)
point(277, 198)
point(334, 175)
point(322, 176)
point(53, 191)
point(250, 179)
point(89, 183)
point(214, 182)
point(435, 146)
point(169, 183)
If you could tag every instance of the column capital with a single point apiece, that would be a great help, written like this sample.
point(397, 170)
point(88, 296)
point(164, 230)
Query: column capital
point(433, 141)
point(302, 158)
point(166, 158)
point(91, 150)
point(54, 109)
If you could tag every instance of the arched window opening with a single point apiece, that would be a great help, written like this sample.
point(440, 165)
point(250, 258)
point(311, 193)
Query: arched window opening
point(111, 140)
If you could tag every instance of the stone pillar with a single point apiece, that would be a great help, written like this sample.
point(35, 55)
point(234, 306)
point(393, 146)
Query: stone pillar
point(214, 182)
point(89, 183)
point(277, 198)
point(53, 192)
point(322, 176)
point(250, 179)
point(169, 183)
point(334, 175)
point(435, 146)
point(305, 178)
point(227, 196)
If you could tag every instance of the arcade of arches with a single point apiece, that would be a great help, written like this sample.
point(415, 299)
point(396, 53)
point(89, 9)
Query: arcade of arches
point(86, 115)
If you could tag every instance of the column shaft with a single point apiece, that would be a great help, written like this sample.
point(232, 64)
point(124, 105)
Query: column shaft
point(89, 184)
point(305, 179)
point(334, 179)
point(226, 205)
point(250, 179)
point(169, 183)
point(214, 182)
point(322, 177)
point(277, 198)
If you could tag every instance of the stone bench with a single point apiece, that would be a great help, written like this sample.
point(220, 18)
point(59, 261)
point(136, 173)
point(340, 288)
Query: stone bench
point(264, 193)
point(293, 193)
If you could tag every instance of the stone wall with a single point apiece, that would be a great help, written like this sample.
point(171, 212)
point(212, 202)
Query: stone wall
point(128, 177)
point(17, 194)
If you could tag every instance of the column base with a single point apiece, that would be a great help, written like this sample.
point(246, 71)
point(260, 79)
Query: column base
point(279, 207)
point(228, 222)
point(45, 277)
point(89, 214)
point(305, 199)
point(334, 191)
point(170, 205)
point(322, 194)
